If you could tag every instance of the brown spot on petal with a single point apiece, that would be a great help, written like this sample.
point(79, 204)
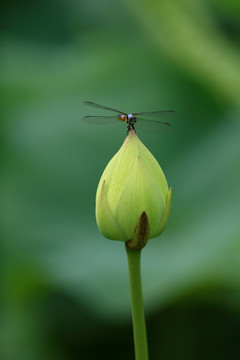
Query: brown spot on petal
point(141, 233)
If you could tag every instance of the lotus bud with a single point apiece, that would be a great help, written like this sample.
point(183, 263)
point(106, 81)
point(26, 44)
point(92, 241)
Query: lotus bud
point(133, 200)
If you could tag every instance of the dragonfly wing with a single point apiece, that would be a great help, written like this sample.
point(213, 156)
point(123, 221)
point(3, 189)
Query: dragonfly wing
point(100, 120)
point(164, 113)
point(90, 103)
point(152, 126)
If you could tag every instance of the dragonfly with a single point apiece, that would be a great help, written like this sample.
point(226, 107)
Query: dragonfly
point(147, 121)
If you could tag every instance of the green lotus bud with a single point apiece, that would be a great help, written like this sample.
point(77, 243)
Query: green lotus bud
point(133, 195)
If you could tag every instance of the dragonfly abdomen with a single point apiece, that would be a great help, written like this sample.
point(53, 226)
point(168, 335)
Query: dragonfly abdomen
point(122, 117)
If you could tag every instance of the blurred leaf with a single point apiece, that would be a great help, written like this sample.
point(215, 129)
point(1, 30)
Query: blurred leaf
point(186, 31)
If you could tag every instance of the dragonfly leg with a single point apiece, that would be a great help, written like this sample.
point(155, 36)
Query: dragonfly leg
point(130, 126)
point(133, 128)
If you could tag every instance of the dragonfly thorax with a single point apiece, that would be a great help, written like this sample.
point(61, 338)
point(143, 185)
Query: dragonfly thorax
point(131, 119)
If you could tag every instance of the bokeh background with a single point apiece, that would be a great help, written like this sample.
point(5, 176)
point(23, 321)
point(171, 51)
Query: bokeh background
point(64, 288)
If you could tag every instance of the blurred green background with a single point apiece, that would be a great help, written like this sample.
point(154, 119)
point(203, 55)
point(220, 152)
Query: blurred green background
point(64, 288)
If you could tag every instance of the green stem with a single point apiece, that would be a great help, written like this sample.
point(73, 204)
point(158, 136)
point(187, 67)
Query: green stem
point(139, 327)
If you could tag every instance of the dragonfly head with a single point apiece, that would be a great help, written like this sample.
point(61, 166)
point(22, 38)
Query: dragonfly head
point(131, 119)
